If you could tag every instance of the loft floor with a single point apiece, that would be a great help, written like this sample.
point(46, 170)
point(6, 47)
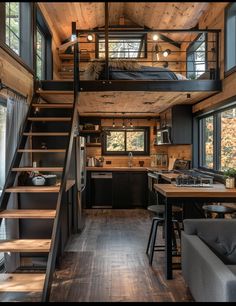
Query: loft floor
point(107, 263)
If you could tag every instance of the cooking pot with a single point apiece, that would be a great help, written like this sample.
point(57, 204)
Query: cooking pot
point(91, 161)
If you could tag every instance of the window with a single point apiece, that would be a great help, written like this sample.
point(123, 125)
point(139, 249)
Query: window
point(123, 141)
point(40, 54)
point(196, 57)
point(230, 40)
point(218, 140)
point(123, 46)
point(12, 23)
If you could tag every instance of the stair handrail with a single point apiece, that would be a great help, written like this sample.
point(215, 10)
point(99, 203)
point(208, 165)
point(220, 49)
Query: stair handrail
point(57, 222)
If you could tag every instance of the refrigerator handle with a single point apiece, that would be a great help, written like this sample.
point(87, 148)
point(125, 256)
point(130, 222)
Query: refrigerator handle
point(84, 171)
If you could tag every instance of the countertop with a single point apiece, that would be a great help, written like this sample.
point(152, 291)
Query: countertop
point(116, 168)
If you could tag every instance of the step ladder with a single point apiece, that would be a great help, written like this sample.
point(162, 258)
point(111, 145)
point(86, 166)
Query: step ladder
point(34, 281)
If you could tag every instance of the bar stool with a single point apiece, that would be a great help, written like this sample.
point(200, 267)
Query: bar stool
point(220, 210)
point(157, 220)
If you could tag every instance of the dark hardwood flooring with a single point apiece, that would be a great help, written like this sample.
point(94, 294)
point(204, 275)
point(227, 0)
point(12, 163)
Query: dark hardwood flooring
point(107, 263)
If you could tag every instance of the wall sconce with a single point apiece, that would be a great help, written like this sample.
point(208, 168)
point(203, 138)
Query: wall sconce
point(123, 124)
point(73, 37)
point(89, 37)
point(166, 52)
point(113, 123)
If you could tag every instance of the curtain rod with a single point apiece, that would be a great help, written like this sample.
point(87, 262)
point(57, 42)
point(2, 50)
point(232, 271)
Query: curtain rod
point(3, 86)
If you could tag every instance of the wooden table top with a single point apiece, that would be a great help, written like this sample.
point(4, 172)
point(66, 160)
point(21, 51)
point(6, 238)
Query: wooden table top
point(217, 191)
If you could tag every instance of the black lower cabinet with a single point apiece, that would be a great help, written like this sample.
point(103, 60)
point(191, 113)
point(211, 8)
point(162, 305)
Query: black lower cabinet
point(121, 191)
point(129, 189)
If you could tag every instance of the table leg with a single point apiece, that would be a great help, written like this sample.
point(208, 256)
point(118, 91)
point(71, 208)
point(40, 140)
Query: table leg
point(168, 238)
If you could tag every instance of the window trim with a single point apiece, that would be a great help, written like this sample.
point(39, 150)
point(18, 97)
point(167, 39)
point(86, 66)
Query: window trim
point(216, 138)
point(125, 153)
point(127, 35)
point(232, 69)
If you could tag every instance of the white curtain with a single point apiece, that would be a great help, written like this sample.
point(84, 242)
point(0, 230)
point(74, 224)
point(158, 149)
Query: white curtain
point(16, 113)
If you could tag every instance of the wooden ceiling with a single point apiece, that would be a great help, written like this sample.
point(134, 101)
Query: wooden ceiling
point(155, 15)
point(125, 103)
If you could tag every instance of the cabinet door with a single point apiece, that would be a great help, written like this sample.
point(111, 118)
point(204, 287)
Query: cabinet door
point(121, 187)
point(138, 189)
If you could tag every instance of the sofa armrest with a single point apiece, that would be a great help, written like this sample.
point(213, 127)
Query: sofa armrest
point(208, 278)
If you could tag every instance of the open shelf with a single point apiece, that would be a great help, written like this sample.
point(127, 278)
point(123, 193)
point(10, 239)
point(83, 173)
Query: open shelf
point(93, 144)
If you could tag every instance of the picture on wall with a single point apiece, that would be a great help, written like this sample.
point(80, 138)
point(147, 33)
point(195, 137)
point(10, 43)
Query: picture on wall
point(162, 160)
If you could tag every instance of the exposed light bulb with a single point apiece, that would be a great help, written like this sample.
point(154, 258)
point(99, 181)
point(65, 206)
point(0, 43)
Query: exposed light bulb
point(123, 124)
point(131, 123)
point(113, 124)
point(155, 37)
point(166, 52)
point(90, 37)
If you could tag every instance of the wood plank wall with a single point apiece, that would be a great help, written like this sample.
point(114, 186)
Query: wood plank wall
point(15, 76)
point(214, 19)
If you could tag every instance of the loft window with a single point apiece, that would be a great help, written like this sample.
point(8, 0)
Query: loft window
point(196, 57)
point(218, 140)
point(43, 48)
point(230, 39)
point(40, 55)
point(122, 46)
point(12, 23)
point(123, 141)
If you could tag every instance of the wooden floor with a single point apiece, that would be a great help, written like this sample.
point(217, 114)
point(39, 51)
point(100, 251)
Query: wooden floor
point(107, 263)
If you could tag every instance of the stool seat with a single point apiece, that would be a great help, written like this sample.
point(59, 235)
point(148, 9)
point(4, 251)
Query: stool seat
point(160, 209)
point(218, 209)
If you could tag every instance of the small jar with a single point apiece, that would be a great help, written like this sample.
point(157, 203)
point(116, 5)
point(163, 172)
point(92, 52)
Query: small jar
point(230, 182)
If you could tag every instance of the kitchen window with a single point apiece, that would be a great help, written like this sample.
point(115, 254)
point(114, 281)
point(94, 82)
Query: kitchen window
point(40, 55)
point(12, 23)
point(218, 140)
point(230, 37)
point(123, 141)
point(123, 46)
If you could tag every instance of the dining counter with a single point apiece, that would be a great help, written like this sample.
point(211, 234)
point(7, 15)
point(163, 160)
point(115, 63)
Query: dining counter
point(103, 169)
point(188, 196)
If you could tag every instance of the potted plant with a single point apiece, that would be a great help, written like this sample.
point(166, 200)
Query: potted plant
point(230, 175)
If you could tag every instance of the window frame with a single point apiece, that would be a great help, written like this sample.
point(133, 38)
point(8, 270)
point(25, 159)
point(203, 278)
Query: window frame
point(127, 35)
point(192, 48)
point(216, 138)
point(232, 69)
point(146, 151)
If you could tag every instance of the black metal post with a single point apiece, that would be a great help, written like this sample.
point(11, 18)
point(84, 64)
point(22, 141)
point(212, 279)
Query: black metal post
point(168, 238)
point(217, 57)
point(106, 41)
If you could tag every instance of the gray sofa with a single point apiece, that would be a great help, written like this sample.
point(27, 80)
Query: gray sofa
point(208, 258)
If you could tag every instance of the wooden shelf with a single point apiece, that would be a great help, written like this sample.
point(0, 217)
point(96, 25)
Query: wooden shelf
point(21, 282)
point(45, 134)
point(95, 144)
point(41, 151)
point(25, 245)
point(53, 105)
point(53, 119)
point(33, 189)
point(90, 131)
point(28, 214)
point(46, 169)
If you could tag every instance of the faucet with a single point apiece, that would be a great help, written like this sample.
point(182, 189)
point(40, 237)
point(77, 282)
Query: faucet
point(130, 161)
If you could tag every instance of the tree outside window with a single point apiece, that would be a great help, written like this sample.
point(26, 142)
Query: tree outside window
point(40, 55)
point(12, 34)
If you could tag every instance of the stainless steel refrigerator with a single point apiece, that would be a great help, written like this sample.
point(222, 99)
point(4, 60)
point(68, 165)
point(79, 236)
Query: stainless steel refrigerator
point(80, 181)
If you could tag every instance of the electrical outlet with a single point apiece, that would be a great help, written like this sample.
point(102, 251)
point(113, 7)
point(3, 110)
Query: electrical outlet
point(108, 162)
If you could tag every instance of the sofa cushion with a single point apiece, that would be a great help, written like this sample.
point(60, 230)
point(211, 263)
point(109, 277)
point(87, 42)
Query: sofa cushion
point(218, 234)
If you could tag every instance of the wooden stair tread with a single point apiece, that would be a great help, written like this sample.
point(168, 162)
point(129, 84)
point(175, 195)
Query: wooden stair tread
point(21, 282)
point(34, 189)
point(25, 245)
point(28, 214)
point(55, 92)
point(46, 169)
point(45, 134)
point(43, 150)
point(49, 119)
point(53, 105)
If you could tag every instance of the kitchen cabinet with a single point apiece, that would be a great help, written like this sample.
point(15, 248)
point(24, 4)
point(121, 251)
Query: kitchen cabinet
point(179, 119)
point(129, 189)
